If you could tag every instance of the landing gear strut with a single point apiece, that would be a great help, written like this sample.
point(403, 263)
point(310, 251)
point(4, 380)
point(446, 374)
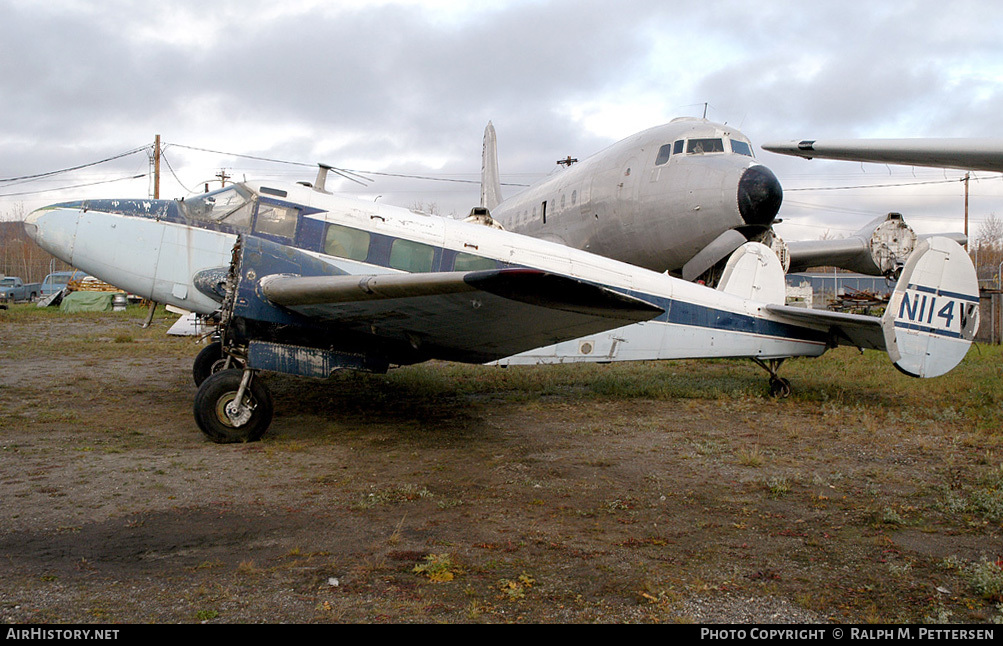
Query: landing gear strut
point(211, 360)
point(780, 388)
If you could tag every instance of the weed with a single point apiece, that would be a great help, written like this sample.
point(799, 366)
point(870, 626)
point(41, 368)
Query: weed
point(751, 457)
point(778, 487)
point(438, 568)
point(891, 517)
point(394, 496)
point(986, 579)
point(515, 589)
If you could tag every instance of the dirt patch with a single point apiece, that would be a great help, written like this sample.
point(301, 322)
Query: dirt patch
point(455, 493)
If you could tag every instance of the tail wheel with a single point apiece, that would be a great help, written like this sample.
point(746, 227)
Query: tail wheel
point(225, 420)
point(780, 388)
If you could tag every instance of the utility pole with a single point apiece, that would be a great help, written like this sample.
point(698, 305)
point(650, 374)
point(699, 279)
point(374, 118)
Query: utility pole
point(222, 176)
point(156, 168)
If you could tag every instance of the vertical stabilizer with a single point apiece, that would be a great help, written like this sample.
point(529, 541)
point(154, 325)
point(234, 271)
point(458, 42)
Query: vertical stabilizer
point(933, 314)
point(490, 181)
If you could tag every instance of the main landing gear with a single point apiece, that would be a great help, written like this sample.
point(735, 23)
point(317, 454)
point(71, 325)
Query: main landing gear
point(780, 388)
point(233, 406)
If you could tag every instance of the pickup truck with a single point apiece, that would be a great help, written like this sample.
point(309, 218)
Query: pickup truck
point(13, 288)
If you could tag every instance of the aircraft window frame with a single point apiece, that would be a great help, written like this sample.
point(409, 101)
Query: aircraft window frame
point(663, 154)
point(470, 262)
point(738, 143)
point(574, 197)
point(700, 145)
point(352, 244)
point(283, 224)
point(232, 205)
point(412, 257)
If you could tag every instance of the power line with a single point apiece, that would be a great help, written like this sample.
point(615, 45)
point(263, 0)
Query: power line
point(344, 170)
point(66, 170)
point(844, 188)
point(64, 188)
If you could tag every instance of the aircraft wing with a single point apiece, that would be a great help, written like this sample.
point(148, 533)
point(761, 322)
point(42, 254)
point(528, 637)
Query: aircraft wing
point(471, 316)
point(964, 154)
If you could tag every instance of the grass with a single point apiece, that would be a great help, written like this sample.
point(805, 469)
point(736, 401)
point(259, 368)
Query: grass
point(535, 488)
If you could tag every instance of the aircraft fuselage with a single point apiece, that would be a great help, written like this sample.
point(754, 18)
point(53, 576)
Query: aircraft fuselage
point(655, 199)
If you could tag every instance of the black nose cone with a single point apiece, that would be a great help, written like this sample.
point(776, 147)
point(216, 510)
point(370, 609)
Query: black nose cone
point(759, 196)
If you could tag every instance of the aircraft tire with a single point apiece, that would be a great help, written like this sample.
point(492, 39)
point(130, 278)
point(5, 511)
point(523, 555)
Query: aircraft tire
point(780, 388)
point(220, 389)
point(209, 361)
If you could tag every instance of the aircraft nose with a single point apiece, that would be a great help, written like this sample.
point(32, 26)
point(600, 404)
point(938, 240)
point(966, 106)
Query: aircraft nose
point(31, 224)
point(759, 196)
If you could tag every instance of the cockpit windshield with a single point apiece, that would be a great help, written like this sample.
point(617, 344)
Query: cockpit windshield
point(233, 205)
point(703, 146)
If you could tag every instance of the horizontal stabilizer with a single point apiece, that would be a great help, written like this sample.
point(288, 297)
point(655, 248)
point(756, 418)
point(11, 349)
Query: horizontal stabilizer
point(930, 321)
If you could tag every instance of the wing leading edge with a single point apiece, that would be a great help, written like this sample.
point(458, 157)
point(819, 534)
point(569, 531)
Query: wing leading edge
point(964, 154)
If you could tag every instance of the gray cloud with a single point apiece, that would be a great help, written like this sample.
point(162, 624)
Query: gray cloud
point(404, 89)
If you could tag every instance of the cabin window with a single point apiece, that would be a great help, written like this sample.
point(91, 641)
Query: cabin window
point(741, 148)
point(663, 154)
point(562, 200)
point(574, 197)
point(470, 262)
point(412, 257)
point(277, 220)
point(345, 242)
point(704, 146)
point(677, 147)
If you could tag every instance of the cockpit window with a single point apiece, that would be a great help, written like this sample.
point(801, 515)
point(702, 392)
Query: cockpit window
point(704, 146)
point(663, 154)
point(233, 204)
point(276, 220)
point(741, 148)
point(677, 147)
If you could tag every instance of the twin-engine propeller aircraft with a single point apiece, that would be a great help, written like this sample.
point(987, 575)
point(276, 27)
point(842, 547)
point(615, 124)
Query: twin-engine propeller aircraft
point(680, 197)
point(306, 282)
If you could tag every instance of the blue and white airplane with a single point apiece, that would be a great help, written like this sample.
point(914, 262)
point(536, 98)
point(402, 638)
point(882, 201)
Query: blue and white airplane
point(306, 282)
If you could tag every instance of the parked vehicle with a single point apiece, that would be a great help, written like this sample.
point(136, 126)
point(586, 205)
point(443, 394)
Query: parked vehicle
point(56, 282)
point(14, 289)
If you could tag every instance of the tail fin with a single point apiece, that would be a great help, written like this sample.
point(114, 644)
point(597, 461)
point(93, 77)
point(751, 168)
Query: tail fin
point(754, 272)
point(490, 179)
point(933, 314)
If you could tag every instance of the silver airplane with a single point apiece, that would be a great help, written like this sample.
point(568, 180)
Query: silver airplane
point(306, 282)
point(680, 197)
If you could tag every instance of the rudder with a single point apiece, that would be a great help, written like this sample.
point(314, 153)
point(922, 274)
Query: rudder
point(933, 314)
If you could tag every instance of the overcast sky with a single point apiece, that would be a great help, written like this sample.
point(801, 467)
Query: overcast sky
point(407, 87)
